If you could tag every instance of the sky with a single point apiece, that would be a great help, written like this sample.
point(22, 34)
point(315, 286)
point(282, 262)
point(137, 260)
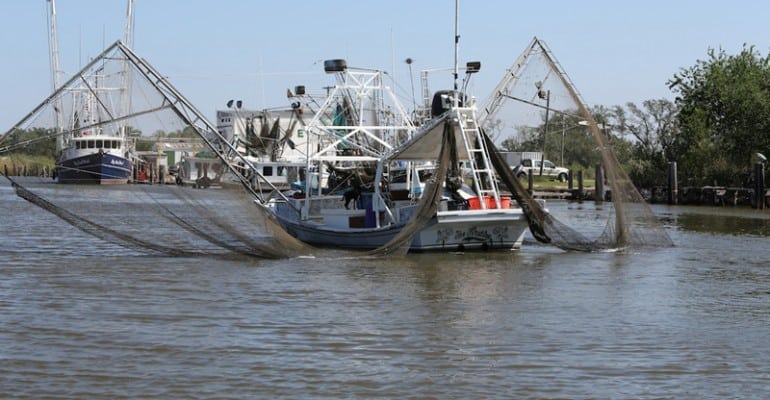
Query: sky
point(212, 51)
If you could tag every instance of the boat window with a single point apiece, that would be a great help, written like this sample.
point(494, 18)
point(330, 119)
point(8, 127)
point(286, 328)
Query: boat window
point(99, 144)
point(282, 171)
point(398, 175)
point(267, 170)
point(115, 144)
point(77, 145)
point(425, 174)
point(90, 144)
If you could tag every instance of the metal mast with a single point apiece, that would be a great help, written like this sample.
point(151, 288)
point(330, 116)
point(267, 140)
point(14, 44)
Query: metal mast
point(457, 51)
point(129, 42)
point(53, 48)
point(129, 32)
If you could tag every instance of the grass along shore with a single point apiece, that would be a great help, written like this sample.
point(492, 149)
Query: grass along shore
point(26, 165)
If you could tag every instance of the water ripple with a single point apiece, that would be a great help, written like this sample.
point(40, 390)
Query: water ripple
point(80, 318)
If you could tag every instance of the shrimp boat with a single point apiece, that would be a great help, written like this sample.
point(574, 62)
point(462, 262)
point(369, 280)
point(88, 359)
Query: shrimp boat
point(91, 149)
point(362, 143)
point(92, 155)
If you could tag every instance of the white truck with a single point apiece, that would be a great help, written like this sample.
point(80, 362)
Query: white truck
point(526, 162)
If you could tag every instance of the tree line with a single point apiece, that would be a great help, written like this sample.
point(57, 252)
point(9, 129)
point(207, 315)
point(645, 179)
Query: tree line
point(715, 129)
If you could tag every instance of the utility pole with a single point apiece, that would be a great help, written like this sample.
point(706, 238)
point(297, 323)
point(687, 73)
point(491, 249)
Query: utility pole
point(544, 94)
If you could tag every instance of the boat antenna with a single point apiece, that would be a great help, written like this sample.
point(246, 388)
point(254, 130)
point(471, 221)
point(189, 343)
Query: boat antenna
point(457, 50)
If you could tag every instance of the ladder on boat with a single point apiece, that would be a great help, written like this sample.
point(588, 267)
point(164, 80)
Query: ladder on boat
point(484, 177)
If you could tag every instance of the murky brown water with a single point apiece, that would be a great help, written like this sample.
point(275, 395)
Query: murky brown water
point(81, 318)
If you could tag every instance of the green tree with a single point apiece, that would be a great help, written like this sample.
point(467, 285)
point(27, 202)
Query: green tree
point(40, 141)
point(724, 116)
point(527, 138)
point(653, 129)
point(187, 132)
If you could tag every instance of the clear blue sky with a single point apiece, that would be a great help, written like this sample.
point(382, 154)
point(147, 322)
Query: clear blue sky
point(614, 51)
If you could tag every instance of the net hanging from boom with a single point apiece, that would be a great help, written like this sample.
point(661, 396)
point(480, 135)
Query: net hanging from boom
point(104, 112)
point(535, 86)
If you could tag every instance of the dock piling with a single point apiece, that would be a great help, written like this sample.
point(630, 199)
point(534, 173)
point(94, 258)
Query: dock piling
point(759, 186)
point(581, 189)
point(673, 184)
point(599, 185)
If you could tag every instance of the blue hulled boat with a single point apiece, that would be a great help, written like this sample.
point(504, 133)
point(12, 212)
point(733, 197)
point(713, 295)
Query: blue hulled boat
point(96, 159)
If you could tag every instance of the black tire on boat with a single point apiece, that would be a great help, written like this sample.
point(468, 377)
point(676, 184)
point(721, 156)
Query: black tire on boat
point(203, 182)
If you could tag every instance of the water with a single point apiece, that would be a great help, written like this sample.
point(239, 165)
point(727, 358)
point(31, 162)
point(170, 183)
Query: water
point(81, 318)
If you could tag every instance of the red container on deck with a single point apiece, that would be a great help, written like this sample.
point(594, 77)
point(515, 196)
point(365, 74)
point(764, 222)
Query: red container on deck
point(474, 203)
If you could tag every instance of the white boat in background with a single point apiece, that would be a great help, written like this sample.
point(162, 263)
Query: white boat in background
point(362, 136)
point(99, 158)
point(90, 150)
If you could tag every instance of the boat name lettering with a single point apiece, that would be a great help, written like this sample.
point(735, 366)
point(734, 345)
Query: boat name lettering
point(498, 233)
point(116, 162)
point(81, 162)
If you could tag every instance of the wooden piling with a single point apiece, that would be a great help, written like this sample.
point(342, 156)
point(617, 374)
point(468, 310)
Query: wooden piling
point(759, 186)
point(530, 182)
point(599, 185)
point(581, 189)
point(673, 184)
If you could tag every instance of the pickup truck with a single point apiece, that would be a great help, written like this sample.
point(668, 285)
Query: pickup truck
point(528, 166)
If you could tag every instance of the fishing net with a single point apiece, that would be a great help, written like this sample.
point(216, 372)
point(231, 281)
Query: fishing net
point(517, 116)
point(119, 96)
point(428, 203)
point(165, 220)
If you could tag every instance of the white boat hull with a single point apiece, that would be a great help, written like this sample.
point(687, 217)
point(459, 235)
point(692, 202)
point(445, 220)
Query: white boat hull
point(460, 230)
